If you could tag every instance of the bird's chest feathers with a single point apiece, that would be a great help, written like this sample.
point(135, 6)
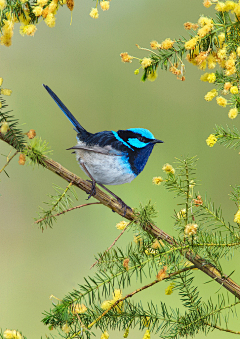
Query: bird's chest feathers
point(107, 169)
point(139, 158)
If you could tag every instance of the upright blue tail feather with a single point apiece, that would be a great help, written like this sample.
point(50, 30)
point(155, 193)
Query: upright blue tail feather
point(65, 110)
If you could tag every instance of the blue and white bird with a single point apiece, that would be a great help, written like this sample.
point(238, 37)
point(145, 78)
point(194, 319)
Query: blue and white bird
point(108, 157)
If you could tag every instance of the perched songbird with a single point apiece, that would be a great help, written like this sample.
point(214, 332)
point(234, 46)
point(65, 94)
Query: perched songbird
point(108, 157)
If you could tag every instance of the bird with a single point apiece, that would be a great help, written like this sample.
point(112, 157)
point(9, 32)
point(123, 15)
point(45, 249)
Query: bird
point(109, 157)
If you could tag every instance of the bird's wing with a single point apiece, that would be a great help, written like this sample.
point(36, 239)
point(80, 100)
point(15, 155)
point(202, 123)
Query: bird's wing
point(107, 150)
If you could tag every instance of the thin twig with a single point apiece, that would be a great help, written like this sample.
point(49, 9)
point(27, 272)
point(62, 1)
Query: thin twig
point(8, 161)
point(111, 245)
point(222, 329)
point(68, 210)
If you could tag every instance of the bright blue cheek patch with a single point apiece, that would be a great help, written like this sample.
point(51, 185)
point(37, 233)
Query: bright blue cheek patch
point(136, 143)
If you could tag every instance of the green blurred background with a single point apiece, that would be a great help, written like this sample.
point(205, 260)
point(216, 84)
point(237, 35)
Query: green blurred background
point(81, 63)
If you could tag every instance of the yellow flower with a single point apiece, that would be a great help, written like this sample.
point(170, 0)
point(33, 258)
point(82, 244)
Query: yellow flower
point(106, 304)
point(157, 180)
point(204, 77)
point(181, 213)
point(1, 81)
point(233, 112)
point(105, 335)
point(126, 333)
point(168, 169)
point(28, 30)
point(221, 101)
point(154, 44)
point(190, 44)
point(146, 335)
point(237, 217)
point(237, 10)
point(8, 334)
point(66, 328)
point(207, 3)
point(22, 159)
point(162, 273)
point(227, 86)
point(42, 2)
point(105, 5)
point(203, 21)
point(167, 43)
point(191, 229)
point(211, 61)
point(169, 289)
point(94, 13)
point(210, 95)
point(234, 90)
point(230, 5)
point(211, 78)
point(4, 127)
point(38, 10)
point(238, 51)
point(204, 30)
point(50, 20)
point(152, 76)
point(221, 38)
point(2, 4)
point(136, 71)
point(221, 7)
point(5, 91)
point(126, 57)
point(211, 140)
point(121, 225)
point(79, 308)
point(222, 53)
point(202, 65)
point(146, 62)
point(117, 294)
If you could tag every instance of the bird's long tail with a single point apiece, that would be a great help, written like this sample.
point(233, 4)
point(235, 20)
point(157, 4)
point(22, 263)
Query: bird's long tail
point(65, 110)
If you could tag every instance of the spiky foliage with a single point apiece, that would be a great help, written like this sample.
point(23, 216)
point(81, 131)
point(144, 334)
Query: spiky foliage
point(57, 205)
point(146, 258)
point(14, 136)
point(227, 137)
point(36, 149)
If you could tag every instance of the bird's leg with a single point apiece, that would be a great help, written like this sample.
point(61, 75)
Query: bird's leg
point(93, 190)
point(125, 206)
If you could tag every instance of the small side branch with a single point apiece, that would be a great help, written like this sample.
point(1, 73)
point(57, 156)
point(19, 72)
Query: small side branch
point(8, 161)
point(68, 210)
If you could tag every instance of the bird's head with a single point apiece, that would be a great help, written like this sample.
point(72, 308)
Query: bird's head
point(137, 138)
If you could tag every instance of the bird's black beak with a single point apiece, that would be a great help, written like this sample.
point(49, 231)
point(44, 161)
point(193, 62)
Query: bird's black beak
point(156, 141)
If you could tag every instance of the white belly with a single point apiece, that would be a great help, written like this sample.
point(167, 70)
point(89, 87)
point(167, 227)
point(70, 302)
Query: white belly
point(105, 169)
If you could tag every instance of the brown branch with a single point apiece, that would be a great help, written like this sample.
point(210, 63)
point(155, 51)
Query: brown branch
point(152, 229)
point(108, 249)
point(68, 210)
point(222, 329)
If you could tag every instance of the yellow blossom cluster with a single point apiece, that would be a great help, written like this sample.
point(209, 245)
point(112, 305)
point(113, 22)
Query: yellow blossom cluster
point(211, 94)
point(152, 76)
point(167, 44)
point(104, 6)
point(157, 180)
point(105, 335)
point(146, 335)
point(42, 8)
point(169, 289)
point(117, 294)
point(233, 113)
point(155, 45)
point(78, 309)
point(237, 217)
point(168, 169)
point(12, 334)
point(126, 57)
point(206, 25)
point(190, 229)
point(122, 225)
point(211, 140)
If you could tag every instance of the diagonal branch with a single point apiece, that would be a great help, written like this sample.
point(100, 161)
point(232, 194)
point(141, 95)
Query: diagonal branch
point(152, 229)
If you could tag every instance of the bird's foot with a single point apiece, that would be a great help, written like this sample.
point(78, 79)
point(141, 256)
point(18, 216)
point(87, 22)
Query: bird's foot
point(93, 189)
point(124, 206)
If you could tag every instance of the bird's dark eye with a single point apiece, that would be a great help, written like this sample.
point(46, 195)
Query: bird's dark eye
point(142, 139)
